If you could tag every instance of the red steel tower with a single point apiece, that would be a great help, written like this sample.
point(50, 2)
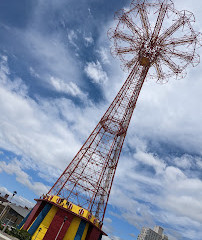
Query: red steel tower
point(87, 180)
point(152, 39)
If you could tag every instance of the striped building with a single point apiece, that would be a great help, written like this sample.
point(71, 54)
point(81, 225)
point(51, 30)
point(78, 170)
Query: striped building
point(54, 218)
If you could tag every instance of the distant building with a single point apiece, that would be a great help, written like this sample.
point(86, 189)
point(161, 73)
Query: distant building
point(149, 234)
point(4, 198)
point(11, 213)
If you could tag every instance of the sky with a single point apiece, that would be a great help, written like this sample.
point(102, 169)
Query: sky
point(57, 78)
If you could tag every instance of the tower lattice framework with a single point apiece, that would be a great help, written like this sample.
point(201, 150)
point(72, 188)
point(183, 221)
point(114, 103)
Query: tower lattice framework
point(146, 40)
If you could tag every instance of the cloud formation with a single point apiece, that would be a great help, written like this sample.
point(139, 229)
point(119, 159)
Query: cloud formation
point(95, 72)
point(14, 168)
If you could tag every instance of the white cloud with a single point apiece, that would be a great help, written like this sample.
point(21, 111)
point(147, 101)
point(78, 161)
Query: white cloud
point(104, 54)
point(31, 131)
point(106, 238)
point(72, 37)
point(108, 220)
point(149, 159)
point(88, 40)
point(176, 197)
point(14, 167)
point(50, 55)
point(95, 72)
point(111, 238)
point(17, 84)
point(107, 228)
point(132, 235)
point(33, 72)
point(69, 88)
point(199, 162)
point(47, 134)
point(185, 162)
point(35, 134)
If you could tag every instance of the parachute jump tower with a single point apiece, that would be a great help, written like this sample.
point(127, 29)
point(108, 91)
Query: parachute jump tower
point(152, 40)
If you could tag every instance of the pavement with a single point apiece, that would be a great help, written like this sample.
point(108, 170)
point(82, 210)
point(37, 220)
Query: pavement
point(4, 236)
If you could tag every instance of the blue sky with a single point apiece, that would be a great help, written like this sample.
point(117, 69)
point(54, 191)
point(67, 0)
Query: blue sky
point(57, 78)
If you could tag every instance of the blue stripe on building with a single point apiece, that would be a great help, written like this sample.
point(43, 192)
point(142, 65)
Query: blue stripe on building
point(80, 230)
point(39, 219)
point(24, 220)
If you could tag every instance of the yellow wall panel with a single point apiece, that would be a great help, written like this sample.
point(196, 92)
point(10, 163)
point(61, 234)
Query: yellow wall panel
point(39, 235)
point(72, 230)
point(85, 232)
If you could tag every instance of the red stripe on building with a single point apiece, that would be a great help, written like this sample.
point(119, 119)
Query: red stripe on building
point(93, 233)
point(57, 223)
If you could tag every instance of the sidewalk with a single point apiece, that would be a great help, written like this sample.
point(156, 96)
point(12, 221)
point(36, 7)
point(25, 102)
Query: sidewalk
point(4, 236)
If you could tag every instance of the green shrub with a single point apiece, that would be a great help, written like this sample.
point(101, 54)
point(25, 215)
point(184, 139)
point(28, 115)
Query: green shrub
point(20, 234)
point(7, 231)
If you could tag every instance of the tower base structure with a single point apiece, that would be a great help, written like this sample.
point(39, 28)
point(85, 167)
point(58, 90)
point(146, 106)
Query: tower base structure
point(54, 218)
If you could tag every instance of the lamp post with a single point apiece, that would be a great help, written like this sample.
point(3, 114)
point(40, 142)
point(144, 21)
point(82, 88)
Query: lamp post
point(38, 233)
point(65, 218)
point(14, 193)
